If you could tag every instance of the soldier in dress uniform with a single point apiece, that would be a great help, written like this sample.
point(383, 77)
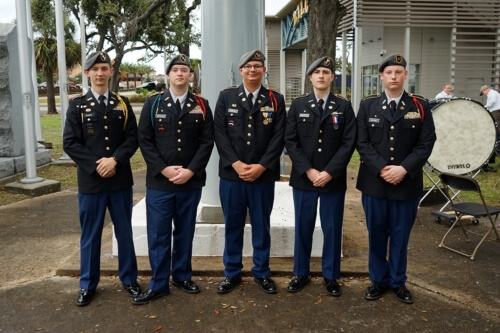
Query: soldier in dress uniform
point(176, 138)
point(320, 138)
point(395, 137)
point(249, 129)
point(100, 135)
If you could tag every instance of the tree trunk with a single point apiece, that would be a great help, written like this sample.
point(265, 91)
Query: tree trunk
point(184, 49)
point(115, 79)
point(324, 19)
point(196, 89)
point(51, 100)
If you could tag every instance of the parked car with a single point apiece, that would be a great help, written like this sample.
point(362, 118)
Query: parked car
point(122, 84)
point(73, 86)
point(146, 85)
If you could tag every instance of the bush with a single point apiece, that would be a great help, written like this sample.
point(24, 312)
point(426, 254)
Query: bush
point(137, 98)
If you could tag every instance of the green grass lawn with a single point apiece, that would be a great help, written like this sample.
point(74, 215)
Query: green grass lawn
point(51, 132)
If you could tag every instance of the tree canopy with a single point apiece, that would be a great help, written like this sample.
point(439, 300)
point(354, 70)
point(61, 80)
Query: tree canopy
point(123, 26)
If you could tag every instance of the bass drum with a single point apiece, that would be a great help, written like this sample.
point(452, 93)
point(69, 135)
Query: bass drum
point(466, 136)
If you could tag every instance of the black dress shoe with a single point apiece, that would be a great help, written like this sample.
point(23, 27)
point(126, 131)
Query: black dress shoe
point(133, 289)
point(297, 283)
point(375, 291)
point(266, 284)
point(403, 295)
point(85, 297)
point(228, 284)
point(332, 287)
point(147, 296)
point(487, 168)
point(187, 286)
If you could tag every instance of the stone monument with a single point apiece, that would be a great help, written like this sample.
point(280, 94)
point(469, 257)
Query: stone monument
point(12, 145)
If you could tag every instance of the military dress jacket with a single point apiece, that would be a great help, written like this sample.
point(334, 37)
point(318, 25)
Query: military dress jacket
point(323, 141)
point(253, 136)
point(91, 133)
point(406, 139)
point(168, 137)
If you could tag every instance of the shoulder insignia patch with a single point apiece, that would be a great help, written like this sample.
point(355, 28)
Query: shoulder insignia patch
point(199, 96)
point(78, 96)
point(372, 96)
point(231, 87)
point(417, 96)
point(274, 91)
point(342, 97)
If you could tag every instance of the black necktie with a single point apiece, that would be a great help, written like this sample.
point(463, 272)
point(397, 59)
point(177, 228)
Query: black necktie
point(101, 103)
point(250, 101)
point(178, 104)
point(320, 105)
point(392, 107)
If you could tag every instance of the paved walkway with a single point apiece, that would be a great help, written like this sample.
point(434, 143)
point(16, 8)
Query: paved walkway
point(39, 255)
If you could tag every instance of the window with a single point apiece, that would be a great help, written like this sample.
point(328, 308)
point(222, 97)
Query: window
point(413, 79)
point(371, 80)
point(372, 84)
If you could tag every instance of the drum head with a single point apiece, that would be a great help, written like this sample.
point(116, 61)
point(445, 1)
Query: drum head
point(466, 136)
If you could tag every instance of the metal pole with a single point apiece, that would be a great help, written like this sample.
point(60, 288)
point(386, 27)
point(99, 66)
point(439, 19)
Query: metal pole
point(222, 47)
point(61, 61)
point(38, 126)
point(29, 138)
point(83, 45)
point(165, 79)
point(344, 65)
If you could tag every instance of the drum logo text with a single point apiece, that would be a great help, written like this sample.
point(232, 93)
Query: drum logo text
point(458, 166)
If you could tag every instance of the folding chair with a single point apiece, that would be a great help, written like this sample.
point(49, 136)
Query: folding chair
point(464, 183)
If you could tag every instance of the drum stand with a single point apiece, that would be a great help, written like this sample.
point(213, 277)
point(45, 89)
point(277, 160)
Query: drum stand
point(440, 214)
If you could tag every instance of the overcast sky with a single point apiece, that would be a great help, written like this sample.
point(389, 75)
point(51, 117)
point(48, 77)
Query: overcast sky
point(8, 15)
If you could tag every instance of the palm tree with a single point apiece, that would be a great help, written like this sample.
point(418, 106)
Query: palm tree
point(125, 70)
point(45, 48)
point(46, 45)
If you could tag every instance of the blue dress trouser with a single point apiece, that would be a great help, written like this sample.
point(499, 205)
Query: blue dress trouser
point(389, 224)
point(163, 208)
point(92, 208)
point(236, 197)
point(331, 212)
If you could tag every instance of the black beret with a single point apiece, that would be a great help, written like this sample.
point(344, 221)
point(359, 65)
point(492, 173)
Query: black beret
point(392, 60)
point(326, 62)
point(96, 58)
point(255, 55)
point(181, 59)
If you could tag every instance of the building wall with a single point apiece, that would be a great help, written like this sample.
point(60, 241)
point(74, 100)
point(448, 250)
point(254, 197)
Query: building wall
point(293, 75)
point(430, 48)
point(273, 45)
point(435, 60)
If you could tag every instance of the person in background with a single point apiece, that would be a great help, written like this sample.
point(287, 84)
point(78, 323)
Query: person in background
point(176, 139)
point(446, 93)
point(493, 105)
point(320, 137)
point(100, 136)
point(161, 87)
point(249, 131)
point(396, 135)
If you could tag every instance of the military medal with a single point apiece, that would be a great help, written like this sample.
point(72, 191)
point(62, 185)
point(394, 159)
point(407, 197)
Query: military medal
point(266, 121)
point(335, 121)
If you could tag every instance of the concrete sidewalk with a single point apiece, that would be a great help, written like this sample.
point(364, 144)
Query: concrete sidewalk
point(39, 262)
